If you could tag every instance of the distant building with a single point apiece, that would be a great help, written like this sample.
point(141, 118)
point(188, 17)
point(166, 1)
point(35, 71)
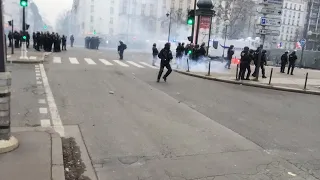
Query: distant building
point(312, 25)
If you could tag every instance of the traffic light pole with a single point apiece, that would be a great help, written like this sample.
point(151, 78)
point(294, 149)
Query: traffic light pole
point(7, 142)
point(23, 44)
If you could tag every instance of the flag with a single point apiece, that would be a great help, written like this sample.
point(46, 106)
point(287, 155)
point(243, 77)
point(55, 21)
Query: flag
point(298, 45)
point(279, 45)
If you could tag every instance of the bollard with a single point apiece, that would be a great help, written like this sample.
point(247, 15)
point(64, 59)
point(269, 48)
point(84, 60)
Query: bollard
point(237, 72)
point(188, 70)
point(305, 82)
point(209, 67)
point(270, 76)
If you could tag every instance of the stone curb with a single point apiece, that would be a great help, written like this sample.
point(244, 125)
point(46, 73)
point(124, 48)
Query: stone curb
point(9, 145)
point(280, 88)
point(57, 166)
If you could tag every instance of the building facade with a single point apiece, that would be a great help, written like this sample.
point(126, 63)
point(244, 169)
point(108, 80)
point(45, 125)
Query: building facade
point(130, 18)
point(312, 26)
point(293, 21)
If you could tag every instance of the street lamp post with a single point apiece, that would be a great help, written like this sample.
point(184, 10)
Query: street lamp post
point(227, 23)
point(309, 33)
point(23, 44)
point(169, 15)
point(7, 142)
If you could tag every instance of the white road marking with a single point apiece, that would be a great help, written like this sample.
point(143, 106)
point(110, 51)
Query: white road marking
point(8, 56)
point(43, 110)
point(89, 61)
point(105, 62)
point(135, 64)
point(41, 101)
point(39, 82)
point(292, 174)
point(56, 59)
point(45, 122)
point(146, 64)
point(37, 66)
point(121, 63)
point(55, 116)
point(38, 74)
point(33, 57)
point(73, 61)
point(37, 71)
point(38, 78)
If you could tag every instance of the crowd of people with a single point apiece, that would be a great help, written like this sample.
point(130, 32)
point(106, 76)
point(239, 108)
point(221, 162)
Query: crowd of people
point(92, 42)
point(41, 40)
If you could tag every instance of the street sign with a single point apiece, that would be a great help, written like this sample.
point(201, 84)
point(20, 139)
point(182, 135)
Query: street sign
point(270, 32)
point(273, 2)
point(271, 11)
point(205, 22)
point(265, 21)
point(303, 42)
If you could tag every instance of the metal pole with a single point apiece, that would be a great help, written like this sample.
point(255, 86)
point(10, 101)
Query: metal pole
point(301, 58)
point(23, 44)
point(209, 69)
point(237, 71)
point(2, 48)
point(12, 47)
point(192, 30)
point(270, 76)
point(169, 25)
point(197, 30)
point(305, 82)
point(188, 70)
point(225, 39)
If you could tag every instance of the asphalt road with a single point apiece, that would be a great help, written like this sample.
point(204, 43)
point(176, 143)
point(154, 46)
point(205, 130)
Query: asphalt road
point(187, 128)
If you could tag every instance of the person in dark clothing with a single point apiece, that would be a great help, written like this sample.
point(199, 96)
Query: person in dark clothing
point(292, 62)
point(284, 61)
point(121, 49)
point(263, 63)
point(34, 40)
point(64, 43)
point(10, 37)
point(28, 39)
point(229, 56)
point(202, 51)
point(166, 56)
point(244, 63)
point(71, 40)
point(155, 53)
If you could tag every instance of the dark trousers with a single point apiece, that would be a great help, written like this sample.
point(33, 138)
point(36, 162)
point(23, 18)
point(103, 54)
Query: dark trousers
point(228, 64)
point(291, 66)
point(263, 71)
point(27, 43)
point(64, 47)
point(283, 67)
point(71, 43)
point(121, 55)
point(243, 68)
point(163, 64)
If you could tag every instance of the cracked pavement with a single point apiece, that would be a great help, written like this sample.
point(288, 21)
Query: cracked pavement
point(186, 129)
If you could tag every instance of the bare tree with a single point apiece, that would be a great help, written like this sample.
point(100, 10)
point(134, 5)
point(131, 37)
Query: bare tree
point(239, 14)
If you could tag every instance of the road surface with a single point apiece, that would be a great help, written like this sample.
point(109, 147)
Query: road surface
point(187, 128)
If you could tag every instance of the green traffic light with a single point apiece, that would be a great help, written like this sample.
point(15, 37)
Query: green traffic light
point(24, 37)
point(45, 27)
point(24, 3)
point(189, 52)
point(190, 21)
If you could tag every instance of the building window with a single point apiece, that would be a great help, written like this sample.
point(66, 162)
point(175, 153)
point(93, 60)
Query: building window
point(282, 29)
point(180, 4)
point(124, 7)
point(151, 9)
point(287, 37)
point(91, 19)
point(287, 5)
point(295, 6)
point(110, 31)
point(293, 22)
point(111, 10)
point(298, 23)
point(287, 29)
point(300, 7)
point(92, 8)
point(290, 6)
point(111, 20)
point(143, 9)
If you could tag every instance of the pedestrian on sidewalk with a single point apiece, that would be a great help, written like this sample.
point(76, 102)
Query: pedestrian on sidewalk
point(284, 61)
point(292, 62)
point(64, 42)
point(166, 56)
point(121, 49)
point(244, 63)
point(71, 40)
point(155, 53)
point(229, 56)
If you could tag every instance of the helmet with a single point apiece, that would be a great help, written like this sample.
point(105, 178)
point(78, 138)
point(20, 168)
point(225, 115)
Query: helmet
point(167, 45)
point(246, 48)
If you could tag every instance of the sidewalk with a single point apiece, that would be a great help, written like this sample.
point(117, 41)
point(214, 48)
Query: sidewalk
point(33, 56)
point(279, 81)
point(38, 157)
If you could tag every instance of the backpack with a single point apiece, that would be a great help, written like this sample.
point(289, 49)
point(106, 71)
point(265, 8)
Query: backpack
point(124, 46)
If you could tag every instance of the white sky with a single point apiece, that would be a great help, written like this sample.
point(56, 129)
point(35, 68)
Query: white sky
point(50, 9)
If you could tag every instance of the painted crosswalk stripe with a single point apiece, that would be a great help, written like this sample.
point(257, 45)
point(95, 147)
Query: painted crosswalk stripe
point(8, 56)
point(73, 60)
point(146, 64)
point(105, 62)
point(89, 61)
point(45, 123)
point(121, 63)
point(135, 64)
point(33, 57)
point(56, 59)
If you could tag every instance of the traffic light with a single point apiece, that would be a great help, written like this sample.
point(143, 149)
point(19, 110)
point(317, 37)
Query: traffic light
point(190, 51)
point(190, 38)
point(24, 37)
point(94, 32)
point(24, 3)
point(27, 26)
point(45, 26)
point(10, 23)
point(215, 44)
point(191, 15)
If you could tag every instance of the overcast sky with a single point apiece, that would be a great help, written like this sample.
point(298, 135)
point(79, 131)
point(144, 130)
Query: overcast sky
point(51, 9)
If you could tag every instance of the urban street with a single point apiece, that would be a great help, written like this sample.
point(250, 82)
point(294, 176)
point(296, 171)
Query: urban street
point(185, 128)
